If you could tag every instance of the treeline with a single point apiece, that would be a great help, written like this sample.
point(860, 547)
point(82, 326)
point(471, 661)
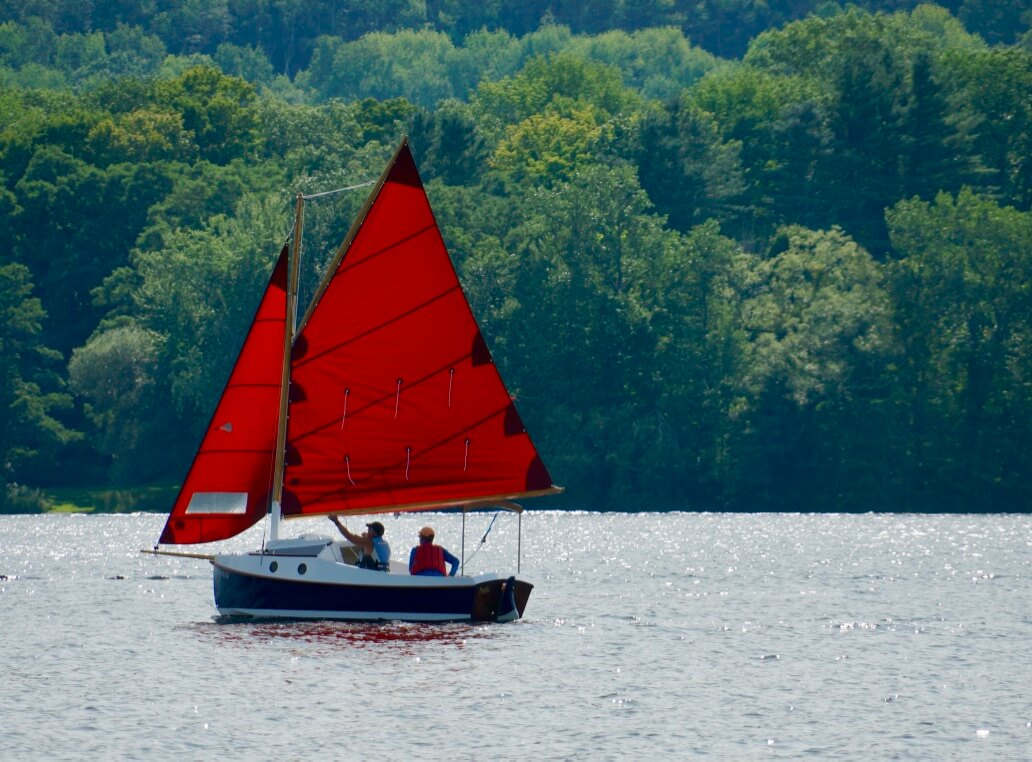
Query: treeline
point(288, 34)
point(795, 281)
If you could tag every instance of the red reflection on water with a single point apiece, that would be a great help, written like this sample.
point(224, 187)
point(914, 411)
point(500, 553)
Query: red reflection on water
point(350, 634)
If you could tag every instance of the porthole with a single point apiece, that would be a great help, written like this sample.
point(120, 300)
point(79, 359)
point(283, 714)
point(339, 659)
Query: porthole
point(302, 568)
point(274, 566)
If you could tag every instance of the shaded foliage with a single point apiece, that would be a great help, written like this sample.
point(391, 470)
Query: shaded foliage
point(32, 393)
point(794, 281)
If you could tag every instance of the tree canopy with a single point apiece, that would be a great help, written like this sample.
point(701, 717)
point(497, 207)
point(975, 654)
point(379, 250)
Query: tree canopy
point(739, 256)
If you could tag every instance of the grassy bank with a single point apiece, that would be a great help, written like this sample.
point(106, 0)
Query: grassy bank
point(157, 499)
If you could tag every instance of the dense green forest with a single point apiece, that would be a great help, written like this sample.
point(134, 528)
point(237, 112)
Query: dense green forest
point(729, 256)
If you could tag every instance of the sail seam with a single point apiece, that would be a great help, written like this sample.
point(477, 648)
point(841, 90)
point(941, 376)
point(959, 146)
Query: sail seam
point(307, 359)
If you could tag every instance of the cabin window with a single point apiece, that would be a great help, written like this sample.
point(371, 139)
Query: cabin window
point(302, 568)
point(217, 502)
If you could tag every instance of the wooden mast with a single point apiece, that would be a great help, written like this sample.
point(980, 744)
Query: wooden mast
point(288, 344)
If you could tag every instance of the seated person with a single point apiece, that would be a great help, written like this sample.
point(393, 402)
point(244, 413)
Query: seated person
point(427, 559)
point(374, 552)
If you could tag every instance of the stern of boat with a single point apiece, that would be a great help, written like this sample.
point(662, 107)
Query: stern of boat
point(500, 600)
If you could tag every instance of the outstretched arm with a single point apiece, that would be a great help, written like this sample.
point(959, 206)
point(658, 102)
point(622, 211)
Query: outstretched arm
point(351, 536)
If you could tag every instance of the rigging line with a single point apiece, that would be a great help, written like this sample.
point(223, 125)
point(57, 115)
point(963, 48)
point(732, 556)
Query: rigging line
point(483, 540)
point(489, 528)
point(310, 196)
point(265, 527)
point(267, 518)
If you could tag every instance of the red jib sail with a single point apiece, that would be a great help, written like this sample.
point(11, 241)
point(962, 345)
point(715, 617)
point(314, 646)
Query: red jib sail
point(228, 486)
point(396, 404)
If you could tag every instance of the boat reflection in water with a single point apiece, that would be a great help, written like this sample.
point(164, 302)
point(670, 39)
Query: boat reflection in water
point(232, 631)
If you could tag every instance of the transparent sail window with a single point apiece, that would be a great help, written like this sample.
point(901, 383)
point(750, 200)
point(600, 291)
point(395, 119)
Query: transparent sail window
point(217, 502)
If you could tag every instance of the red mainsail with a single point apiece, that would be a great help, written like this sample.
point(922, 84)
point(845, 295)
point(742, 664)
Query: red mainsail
point(395, 402)
point(228, 486)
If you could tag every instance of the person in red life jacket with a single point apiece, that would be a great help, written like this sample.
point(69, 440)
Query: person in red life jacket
point(427, 559)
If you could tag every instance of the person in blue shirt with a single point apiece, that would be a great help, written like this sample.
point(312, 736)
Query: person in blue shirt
point(375, 552)
point(427, 559)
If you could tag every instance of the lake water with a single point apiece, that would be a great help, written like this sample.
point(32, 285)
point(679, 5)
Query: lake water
point(746, 636)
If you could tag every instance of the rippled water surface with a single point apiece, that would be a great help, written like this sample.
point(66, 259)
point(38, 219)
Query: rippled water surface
point(647, 636)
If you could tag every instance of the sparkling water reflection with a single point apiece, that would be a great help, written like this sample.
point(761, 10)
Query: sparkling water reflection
point(648, 635)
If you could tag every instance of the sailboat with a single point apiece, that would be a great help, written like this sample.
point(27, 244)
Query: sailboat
point(382, 399)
